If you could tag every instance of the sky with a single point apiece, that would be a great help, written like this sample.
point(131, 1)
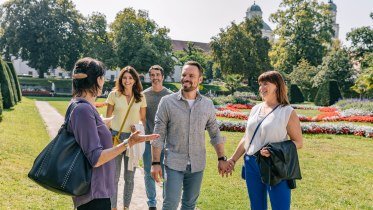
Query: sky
point(199, 20)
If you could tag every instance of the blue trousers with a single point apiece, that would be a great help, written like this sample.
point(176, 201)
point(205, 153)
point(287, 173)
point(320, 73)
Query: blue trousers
point(280, 194)
point(149, 181)
point(177, 180)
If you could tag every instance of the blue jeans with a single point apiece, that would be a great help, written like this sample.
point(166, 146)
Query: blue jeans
point(149, 181)
point(129, 176)
point(177, 180)
point(280, 194)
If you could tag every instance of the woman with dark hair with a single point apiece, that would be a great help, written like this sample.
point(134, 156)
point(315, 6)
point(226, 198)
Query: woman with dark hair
point(271, 121)
point(93, 136)
point(127, 88)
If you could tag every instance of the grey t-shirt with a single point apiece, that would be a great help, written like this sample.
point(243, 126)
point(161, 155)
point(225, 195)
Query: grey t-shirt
point(152, 100)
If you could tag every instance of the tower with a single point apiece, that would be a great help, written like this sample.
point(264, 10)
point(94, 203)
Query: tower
point(333, 10)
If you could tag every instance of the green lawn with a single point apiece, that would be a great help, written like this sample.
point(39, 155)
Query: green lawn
point(337, 170)
point(337, 174)
point(23, 136)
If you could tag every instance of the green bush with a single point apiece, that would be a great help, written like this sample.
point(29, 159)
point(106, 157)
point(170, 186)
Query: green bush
point(12, 82)
point(6, 87)
point(295, 95)
point(15, 78)
point(1, 106)
point(328, 94)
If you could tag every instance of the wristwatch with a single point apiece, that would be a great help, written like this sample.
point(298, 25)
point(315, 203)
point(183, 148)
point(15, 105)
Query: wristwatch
point(156, 163)
point(224, 158)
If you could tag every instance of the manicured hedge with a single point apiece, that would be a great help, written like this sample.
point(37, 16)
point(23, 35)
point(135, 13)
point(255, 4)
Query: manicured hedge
point(12, 82)
point(295, 94)
point(16, 81)
point(328, 94)
point(1, 106)
point(6, 86)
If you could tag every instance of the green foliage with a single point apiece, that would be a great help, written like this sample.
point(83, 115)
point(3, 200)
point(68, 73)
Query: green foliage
point(240, 49)
point(16, 81)
point(305, 29)
point(232, 82)
point(45, 33)
point(1, 106)
point(192, 53)
point(97, 43)
point(361, 40)
point(139, 41)
point(328, 94)
point(336, 66)
point(12, 82)
point(302, 76)
point(295, 95)
point(6, 86)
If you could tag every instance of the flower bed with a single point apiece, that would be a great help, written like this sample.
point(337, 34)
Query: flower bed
point(231, 114)
point(312, 128)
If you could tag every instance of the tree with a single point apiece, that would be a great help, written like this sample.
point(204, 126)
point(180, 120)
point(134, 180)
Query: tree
point(46, 33)
point(240, 49)
point(361, 40)
point(97, 43)
point(302, 75)
point(305, 30)
point(139, 42)
point(191, 53)
point(232, 82)
point(364, 82)
point(337, 66)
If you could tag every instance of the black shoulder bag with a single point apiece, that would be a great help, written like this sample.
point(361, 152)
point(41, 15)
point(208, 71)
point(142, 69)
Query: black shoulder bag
point(62, 166)
point(243, 176)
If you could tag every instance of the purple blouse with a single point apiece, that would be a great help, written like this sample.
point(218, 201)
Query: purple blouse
point(93, 137)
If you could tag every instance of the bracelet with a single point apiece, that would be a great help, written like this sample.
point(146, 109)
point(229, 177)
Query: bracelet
point(156, 163)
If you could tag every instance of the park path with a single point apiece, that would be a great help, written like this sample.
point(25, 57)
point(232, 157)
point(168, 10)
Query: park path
point(53, 120)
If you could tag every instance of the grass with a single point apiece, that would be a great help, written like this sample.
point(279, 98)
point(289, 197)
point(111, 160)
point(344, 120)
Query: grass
point(337, 174)
point(23, 136)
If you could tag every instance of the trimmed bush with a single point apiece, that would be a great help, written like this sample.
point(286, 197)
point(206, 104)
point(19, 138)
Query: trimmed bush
point(328, 94)
point(295, 95)
point(12, 82)
point(16, 81)
point(1, 106)
point(6, 87)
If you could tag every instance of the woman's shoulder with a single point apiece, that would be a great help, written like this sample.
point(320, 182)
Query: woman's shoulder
point(83, 109)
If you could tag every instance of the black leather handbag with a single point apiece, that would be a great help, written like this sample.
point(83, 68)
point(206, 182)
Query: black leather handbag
point(62, 166)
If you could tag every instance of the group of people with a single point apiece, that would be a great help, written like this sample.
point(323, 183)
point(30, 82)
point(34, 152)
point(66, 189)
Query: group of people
point(175, 124)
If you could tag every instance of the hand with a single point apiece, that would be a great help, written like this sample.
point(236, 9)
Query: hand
point(224, 168)
point(107, 120)
point(136, 138)
point(156, 172)
point(264, 152)
point(232, 163)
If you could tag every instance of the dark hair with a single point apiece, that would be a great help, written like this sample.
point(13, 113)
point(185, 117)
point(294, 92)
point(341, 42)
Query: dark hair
point(275, 77)
point(85, 74)
point(136, 88)
point(157, 67)
point(196, 64)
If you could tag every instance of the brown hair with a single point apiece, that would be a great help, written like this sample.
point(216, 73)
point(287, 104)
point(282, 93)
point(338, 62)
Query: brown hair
point(196, 64)
point(136, 88)
point(157, 67)
point(275, 77)
point(85, 74)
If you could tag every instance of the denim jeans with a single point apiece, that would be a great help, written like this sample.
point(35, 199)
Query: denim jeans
point(177, 180)
point(149, 181)
point(128, 176)
point(280, 194)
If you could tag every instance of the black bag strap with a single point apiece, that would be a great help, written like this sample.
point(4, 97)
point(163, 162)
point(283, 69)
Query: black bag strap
point(69, 112)
point(257, 127)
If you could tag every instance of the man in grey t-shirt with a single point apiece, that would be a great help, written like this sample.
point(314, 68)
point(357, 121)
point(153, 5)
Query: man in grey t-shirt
point(153, 95)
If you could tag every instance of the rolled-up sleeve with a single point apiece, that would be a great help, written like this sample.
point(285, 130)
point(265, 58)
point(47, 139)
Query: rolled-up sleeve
point(213, 127)
point(83, 125)
point(160, 123)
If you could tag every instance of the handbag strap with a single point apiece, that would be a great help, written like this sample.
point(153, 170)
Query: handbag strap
point(69, 112)
point(257, 127)
point(125, 117)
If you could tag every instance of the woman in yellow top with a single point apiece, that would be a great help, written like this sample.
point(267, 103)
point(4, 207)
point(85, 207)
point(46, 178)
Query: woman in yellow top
point(127, 87)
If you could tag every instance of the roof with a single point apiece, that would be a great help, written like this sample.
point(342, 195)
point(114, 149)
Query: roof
point(266, 26)
point(180, 45)
point(333, 7)
point(255, 7)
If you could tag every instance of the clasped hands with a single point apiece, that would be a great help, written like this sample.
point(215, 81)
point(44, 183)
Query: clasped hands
point(226, 167)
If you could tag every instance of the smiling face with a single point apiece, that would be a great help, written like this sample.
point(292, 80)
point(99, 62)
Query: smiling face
point(156, 77)
point(190, 78)
point(128, 81)
point(267, 90)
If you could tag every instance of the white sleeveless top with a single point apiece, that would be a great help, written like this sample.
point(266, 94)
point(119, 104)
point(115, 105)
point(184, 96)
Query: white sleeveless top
point(273, 128)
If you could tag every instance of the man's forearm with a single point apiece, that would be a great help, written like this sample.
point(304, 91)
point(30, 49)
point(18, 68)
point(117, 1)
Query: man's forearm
point(156, 154)
point(219, 148)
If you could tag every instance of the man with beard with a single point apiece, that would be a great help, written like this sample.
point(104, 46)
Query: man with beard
point(153, 95)
point(181, 120)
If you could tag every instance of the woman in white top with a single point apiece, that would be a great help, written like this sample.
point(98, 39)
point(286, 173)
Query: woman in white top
point(276, 127)
point(127, 88)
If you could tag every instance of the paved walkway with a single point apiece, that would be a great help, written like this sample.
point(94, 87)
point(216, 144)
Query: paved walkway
point(53, 120)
